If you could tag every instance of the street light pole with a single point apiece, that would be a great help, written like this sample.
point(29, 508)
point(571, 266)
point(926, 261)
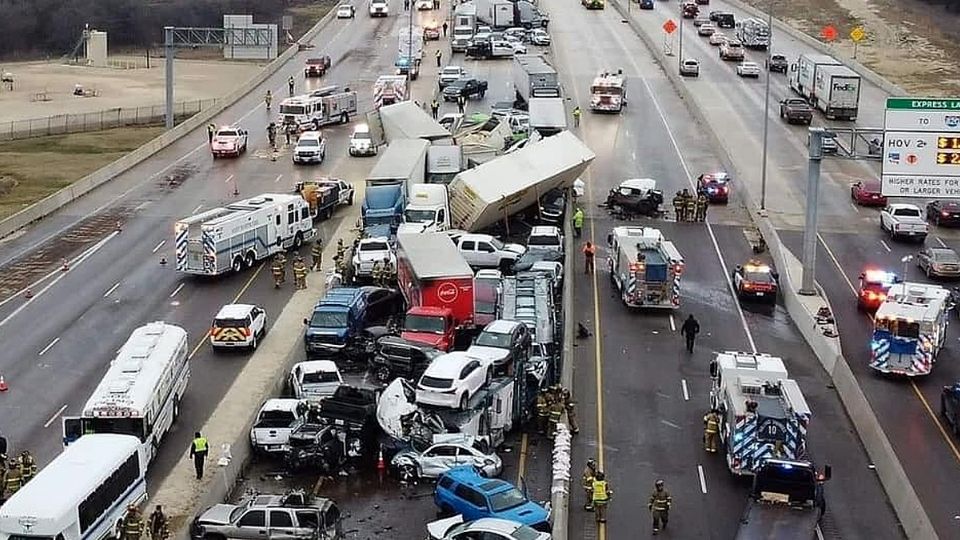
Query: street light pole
point(766, 112)
point(680, 54)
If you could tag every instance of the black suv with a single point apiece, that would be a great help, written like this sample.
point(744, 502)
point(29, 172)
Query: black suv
point(950, 406)
point(398, 357)
point(465, 88)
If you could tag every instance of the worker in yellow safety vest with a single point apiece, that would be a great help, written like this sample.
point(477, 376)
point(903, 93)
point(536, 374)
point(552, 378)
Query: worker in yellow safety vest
point(601, 497)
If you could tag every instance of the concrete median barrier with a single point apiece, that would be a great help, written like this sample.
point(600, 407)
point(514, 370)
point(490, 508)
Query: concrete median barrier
point(54, 202)
point(803, 309)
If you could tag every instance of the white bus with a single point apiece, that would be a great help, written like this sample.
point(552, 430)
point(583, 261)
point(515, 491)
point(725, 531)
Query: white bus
point(80, 495)
point(141, 392)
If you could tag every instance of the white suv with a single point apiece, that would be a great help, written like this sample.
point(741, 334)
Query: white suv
point(452, 379)
point(545, 238)
point(238, 325)
point(485, 251)
point(311, 148)
point(369, 251)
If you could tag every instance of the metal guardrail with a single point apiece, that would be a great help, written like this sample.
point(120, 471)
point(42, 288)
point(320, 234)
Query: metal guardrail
point(98, 120)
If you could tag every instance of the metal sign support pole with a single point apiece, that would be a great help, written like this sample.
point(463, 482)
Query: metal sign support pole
point(168, 76)
point(808, 286)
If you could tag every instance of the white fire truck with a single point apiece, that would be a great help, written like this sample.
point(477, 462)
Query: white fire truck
point(319, 109)
point(238, 235)
point(608, 93)
point(645, 267)
point(909, 329)
point(763, 414)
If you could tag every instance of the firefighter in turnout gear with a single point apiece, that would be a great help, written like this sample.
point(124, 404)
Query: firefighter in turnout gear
point(316, 255)
point(300, 273)
point(586, 482)
point(376, 273)
point(28, 466)
point(278, 270)
point(568, 405)
point(690, 206)
point(554, 417)
point(12, 481)
point(678, 207)
point(659, 505)
point(543, 412)
point(157, 525)
point(132, 526)
point(341, 250)
point(601, 496)
point(711, 430)
point(702, 205)
point(389, 273)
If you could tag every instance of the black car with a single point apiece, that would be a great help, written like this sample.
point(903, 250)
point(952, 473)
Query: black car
point(526, 261)
point(465, 88)
point(314, 446)
point(723, 19)
point(553, 204)
point(778, 63)
point(398, 357)
point(950, 406)
point(944, 213)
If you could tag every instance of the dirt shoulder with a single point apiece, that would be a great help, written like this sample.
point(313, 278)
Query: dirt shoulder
point(910, 42)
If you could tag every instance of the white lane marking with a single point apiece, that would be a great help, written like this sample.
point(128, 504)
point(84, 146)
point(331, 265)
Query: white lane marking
point(855, 208)
point(885, 246)
point(941, 242)
point(111, 289)
point(673, 325)
point(703, 481)
point(228, 179)
point(279, 176)
point(689, 175)
point(175, 291)
point(686, 393)
point(48, 347)
point(197, 209)
point(160, 245)
point(669, 423)
point(55, 416)
point(73, 266)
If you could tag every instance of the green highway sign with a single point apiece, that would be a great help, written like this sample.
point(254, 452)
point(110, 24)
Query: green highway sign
point(926, 104)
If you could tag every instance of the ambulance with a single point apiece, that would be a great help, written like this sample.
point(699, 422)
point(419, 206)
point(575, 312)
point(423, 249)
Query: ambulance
point(909, 329)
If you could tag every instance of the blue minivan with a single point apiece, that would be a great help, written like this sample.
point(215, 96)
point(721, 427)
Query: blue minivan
point(342, 315)
point(463, 490)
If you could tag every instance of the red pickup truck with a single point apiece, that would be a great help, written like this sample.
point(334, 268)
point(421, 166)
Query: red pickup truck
point(316, 67)
point(437, 284)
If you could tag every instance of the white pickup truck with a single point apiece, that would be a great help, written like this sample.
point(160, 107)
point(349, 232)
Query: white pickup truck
point(903, 221)
point(275, 422)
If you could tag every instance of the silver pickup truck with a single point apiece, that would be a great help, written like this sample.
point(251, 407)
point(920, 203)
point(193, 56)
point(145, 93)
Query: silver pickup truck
point(292, 516)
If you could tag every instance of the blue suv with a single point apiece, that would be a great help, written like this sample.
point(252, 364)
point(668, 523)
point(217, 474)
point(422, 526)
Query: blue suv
point(342, 315)
point(463, 490)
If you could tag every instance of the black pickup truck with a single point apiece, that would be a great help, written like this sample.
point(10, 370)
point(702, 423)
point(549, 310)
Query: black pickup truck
point(465, 88)
point(796, 111)
point(786, 502)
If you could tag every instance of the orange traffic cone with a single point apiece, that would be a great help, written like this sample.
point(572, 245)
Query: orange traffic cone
point(381, 467)
point(64, 264)
point(3, 384)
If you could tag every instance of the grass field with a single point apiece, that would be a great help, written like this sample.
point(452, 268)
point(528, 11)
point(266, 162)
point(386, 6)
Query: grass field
point(306, 14)
point(32, 169)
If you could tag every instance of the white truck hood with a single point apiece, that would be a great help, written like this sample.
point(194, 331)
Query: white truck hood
point(218, 514)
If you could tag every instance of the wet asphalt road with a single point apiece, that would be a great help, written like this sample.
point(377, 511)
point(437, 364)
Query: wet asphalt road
point(653, 394)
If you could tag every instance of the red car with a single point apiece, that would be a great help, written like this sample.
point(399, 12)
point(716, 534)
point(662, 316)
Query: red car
point(431, 33)
point(716, 186)
point(873, 288)
point(867, 193)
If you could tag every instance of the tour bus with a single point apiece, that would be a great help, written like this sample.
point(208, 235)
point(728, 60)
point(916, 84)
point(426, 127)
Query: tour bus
point(80, 495)
point(141, 391)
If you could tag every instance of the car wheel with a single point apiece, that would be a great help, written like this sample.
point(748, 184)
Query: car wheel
point(253, 342)
point(383, 374)
point(176, 409)
point(409, 472)
point(464, 399)
point(350, 200)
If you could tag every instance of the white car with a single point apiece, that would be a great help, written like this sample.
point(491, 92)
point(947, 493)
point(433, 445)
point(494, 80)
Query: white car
point(903, 221)
point(731, 49)
point(454, 528)
point(423, 5)
point(361, 142)
point(690, 67)
point(748, 69)
point(540, 37)
point(229, 141)
point(545, 238)
point(311, 148)
point(483, 29)
point(701, 20)
point(450, 74)
point(448, 452)
point(275, 421)
point(452, 379)
point(315, 380)
point(518, 48)
point(485, 251)
point(368, 252)
point(238, 325)
point(516, 33)
point(346, 11)
point(706, 29)
point(717, 38)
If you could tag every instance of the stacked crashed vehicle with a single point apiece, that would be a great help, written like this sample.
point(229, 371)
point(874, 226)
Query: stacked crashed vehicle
point(303, 517)
point(635, 197)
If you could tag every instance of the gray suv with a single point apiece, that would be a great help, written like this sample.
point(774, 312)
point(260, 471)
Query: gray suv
point(293, 516)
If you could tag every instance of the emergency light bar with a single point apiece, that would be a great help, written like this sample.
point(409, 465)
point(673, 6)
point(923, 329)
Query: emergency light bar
point(880, 276)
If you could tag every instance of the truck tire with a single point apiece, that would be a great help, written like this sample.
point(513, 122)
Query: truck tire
point(350, 200)
point(250, 260)
point(344, 118)
point(316, 125)
point(237, 264)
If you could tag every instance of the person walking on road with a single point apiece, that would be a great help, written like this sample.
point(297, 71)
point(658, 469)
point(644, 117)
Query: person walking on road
point(268, 99)
point(156, 524)
point(569, 406)
point(316, 254)
point(659, 505)
point(291, 85)
point(198, 451)
point(711, 430)
point(689, 330)
point(461, 103)
point(601, 497)
point(578, 222)
point(444, 28)
point(586, 482)
point(439, 57)
point(691, 207)
point(12, 482)
point(589, 252)
point(28, 466)
point(702, 204)
point(556, 414)
point(434, 108)
point(277, 269)
point(576, 116)
point(211, 129)
point(678, 207)
point(300, 273)
point(132, 524)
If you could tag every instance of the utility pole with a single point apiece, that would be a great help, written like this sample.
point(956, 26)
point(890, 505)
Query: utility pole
point(766, 112)
point(168, 53)
point(816, 136)
point(680, 54)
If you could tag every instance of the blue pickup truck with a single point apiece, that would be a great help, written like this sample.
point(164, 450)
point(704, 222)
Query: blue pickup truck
point(341, 321)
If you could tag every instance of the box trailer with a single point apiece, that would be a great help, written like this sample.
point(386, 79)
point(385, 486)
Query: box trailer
point(837, 92)
point(547, 115)
point(403, 163)
point(533, 77)
point(803, 72)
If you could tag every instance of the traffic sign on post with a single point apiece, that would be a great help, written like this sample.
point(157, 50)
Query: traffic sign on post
point(669, 26)
point(921, 148)
point(857, 34)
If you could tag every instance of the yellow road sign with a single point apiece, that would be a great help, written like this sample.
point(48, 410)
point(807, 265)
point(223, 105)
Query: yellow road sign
point(857, 34)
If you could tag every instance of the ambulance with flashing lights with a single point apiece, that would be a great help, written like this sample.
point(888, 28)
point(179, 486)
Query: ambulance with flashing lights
point(874, 285)
point(755, 281)
point(141, 391)
point(909, 329)
point(645, 267)
point(763, 414)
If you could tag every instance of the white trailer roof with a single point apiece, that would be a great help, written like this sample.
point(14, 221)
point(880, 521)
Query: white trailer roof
point(761, 378)
point(399, 159)
point(405, 120)
point(134, 375)
point(433, 255)
point(821, 59)
point(219, 216)
point(917, 301)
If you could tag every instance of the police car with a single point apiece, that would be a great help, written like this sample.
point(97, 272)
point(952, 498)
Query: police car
point(755, 280)
point(874, 285)
point(716, 186)
point(238, 325)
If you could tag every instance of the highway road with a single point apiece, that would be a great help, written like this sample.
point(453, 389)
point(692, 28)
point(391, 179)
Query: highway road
point(643, 402)
point(850, 240)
